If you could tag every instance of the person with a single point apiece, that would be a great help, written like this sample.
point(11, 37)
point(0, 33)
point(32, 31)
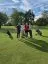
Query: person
point(22, 30)
point(30, 30)
point(18, 30)
point(26, 28)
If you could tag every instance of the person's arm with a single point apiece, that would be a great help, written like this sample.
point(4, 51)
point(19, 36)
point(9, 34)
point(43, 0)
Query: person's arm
point(28, 27)
point(24, 27)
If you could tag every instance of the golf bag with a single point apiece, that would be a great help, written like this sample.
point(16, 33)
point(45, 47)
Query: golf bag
point(39, 32)
point(9, 34)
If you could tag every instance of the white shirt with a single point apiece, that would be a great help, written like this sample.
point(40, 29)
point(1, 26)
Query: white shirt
point(22, 27)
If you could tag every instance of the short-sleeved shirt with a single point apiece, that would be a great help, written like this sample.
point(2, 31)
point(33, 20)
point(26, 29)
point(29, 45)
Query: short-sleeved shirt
point(22, 27)
point(26, 27)
point(18, 27)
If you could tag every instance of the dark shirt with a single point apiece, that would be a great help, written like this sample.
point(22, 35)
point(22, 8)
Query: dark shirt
point(18, 27)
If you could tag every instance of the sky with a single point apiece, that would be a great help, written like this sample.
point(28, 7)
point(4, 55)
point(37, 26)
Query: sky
point(38, 6)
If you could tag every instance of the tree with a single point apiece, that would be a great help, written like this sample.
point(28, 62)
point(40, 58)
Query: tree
point(41, 22)
point(3, 18)
point(45, 15)
point(17, 17)
point(29, 16)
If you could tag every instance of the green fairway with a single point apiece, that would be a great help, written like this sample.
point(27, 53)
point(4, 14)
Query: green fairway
point(23, 50)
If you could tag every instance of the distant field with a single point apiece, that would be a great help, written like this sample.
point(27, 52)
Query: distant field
point(23, 50)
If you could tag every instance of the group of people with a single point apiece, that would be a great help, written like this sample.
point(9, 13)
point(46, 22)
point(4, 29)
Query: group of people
point(24, 29)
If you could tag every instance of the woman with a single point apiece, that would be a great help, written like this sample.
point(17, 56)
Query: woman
point(26, 28)
point(22, 30)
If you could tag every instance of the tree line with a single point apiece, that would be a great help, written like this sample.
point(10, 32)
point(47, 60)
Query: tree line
point(19, 17)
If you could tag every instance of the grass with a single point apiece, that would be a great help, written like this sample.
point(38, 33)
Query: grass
point(23, 50)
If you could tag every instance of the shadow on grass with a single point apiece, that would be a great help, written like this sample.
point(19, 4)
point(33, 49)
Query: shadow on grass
point(38, 44)
point(45, 36)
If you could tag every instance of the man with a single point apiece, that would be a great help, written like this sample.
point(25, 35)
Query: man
point(30, 30)
point(18, 30)
point(26, 29)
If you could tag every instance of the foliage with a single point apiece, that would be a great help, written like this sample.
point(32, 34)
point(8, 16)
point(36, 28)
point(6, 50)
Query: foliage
point(17, 17)
point(3, 18)
point(29, 16)
point(41, 22)
point(45, 15)
point(22, 17)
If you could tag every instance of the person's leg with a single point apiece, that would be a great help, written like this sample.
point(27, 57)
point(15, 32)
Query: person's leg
point(26, 33)
point(31, 33)
point(17, 34)
point(22, 34)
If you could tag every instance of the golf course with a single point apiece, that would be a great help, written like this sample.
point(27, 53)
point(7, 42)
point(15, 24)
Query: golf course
point(23, 50)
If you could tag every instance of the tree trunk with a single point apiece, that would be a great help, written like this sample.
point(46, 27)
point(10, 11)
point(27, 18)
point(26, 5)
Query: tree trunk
point(0, 26)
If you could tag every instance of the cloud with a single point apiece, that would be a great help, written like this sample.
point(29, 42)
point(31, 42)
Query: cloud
point(5, 4)
point(16, 1)
point(26, 4)
point(2, 0)
point(1, 9)
point(37, 5)
point(39, 16)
